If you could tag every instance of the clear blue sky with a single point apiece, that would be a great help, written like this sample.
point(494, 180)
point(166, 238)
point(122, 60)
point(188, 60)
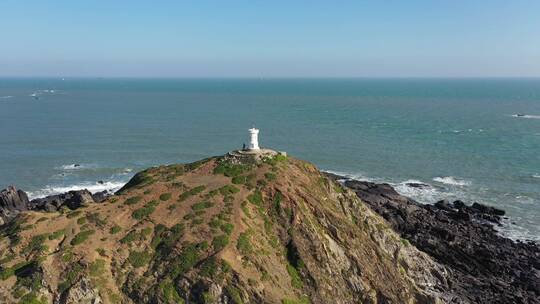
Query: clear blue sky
point(270, 38)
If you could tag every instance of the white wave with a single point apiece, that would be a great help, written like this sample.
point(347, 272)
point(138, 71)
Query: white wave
point(73, 167)
point(450, 180)
point(425, 195)
point(127, 170)
point(526, 116)
point(92, 187)
point(6, 97)
point(357, 176)
point(536, 175)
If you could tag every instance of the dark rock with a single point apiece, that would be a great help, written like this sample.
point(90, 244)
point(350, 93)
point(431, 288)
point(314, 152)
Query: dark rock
point(12, 201)
point(71, 199)
point(444, 205)
point(487, 209)
point(101, 196)
point(418, 185)
point(484, 266)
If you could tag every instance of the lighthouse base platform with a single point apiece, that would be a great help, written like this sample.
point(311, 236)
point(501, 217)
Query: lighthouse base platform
point(257, 155)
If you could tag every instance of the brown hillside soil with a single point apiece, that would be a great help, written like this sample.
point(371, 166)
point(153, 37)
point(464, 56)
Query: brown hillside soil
point(222, 230)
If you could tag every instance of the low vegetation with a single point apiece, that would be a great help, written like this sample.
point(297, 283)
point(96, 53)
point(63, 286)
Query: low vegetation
point(165, 197)
point(145, 211)
point(81, 237)
point(139, 258)
point(219, 242)
point(191, 192)
point(133, 200)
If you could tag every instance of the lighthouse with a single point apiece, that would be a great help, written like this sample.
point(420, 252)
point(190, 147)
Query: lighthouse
point(254, 139)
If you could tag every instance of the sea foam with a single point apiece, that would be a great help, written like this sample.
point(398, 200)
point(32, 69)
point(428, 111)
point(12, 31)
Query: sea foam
point(92, 187)
point(527, 116)
point(424, 194)
point(450, 180)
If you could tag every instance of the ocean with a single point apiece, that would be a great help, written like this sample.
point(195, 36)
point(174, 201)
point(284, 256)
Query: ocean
point(460, 137)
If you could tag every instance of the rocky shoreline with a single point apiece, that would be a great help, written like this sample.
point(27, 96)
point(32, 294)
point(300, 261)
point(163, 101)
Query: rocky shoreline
point(13, 201)
point(484, 266)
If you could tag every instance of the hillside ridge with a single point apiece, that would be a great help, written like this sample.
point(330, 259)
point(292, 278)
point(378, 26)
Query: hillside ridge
point(225, 229)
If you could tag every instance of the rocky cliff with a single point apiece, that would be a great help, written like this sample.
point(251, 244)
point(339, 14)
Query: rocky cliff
point(221, 230)
point(484, 267)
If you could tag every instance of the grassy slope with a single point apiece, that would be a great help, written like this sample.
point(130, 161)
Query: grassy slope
point(277, 232)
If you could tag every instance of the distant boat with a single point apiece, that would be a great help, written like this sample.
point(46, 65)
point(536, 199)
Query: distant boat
point(520, 115)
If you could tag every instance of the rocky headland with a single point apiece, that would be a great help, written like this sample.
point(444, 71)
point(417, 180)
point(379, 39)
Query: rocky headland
point(242, 229)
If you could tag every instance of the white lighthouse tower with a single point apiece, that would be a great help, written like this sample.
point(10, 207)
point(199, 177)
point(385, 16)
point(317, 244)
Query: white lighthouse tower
point(254, 139)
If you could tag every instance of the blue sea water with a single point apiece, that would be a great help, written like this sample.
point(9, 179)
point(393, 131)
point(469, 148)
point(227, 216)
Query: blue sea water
point(457, 135)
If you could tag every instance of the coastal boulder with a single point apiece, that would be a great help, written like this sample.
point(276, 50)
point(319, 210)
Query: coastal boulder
point(12, 201)
point(71, 199)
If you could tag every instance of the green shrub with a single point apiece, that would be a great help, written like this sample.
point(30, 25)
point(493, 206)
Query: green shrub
point(32, 298)
point(145, 211)
point(244, 244)
point(303, 300)
point(131, 237)
point(70, 277)
point(296, 281)
point(241, 179)
point(209, 268)
point(115, 229)
point(165, 239)
point(133, 200)
point(229, 169)
point(227, 228)
point(234, 293)
point(101, 251)
point(81, 237)
point(191, 192)
point(270, 176)
point(228, 190)
point(57, 234)
point(219, 242)
point(245, 209)
point(165, 196)
point(139, 259)
point(189, 256)
point(405, 242)
point(202, 205)
point(169, 292)
point(256, 198)
point(36, 244)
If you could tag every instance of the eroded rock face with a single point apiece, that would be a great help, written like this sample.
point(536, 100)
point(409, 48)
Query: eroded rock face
point(485, 267)
point(12, 201)
point(81, 292)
